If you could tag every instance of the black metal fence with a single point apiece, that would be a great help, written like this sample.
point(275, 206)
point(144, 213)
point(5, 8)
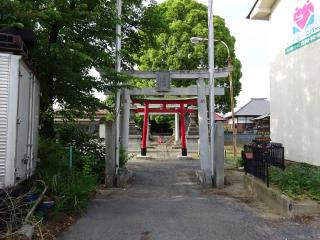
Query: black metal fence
point(258, 157)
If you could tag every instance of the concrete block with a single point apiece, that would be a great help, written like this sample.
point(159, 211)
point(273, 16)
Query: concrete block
point(26, 232)
point(279, 202)
point(275, 200)
point(179, 157)
point(204, 178)
point(124, 177)
point(147, 157)
point(306, 208)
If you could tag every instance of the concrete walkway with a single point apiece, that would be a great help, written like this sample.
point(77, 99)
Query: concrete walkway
point(166, 203)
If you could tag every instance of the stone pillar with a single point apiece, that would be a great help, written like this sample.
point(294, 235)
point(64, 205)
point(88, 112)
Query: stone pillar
point(203, 129)
point(125, 119)
point(176, 129)
point(219, 156)
point(110, 158)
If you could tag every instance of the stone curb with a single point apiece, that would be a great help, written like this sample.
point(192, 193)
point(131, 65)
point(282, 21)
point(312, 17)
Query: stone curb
point(203, 178)
point(179, 157)
point(123, 178)
point(152, 157)
point(279, 202)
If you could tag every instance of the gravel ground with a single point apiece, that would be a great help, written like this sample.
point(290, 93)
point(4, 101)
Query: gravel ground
point(166, 203)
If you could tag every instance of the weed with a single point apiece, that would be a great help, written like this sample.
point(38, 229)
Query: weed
point(297, 180)
point(124, 156)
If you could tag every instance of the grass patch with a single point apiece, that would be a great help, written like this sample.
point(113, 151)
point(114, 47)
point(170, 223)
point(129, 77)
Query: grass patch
point(71, 192)
point(70, 189)
point(298, 180)
point(228, 152)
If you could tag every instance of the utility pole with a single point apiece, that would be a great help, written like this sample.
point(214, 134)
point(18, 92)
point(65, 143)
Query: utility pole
point(118, 69)
point(234, 131)
point(211, 84)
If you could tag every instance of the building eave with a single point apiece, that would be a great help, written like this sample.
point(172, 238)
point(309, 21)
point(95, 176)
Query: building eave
point(261, 10)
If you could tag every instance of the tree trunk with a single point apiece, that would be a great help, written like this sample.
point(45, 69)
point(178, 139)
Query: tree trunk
point(47, 98)
point(46, 108)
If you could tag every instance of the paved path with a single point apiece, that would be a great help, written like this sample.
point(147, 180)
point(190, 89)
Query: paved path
point(165, 203)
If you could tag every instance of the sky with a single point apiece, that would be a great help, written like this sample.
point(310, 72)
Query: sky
point(252, 47)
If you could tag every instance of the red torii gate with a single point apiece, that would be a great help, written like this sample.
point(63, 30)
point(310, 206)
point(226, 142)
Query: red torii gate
point(181, 110)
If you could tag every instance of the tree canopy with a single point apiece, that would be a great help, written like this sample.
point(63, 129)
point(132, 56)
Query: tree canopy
point(72, 37)
point(165, 44)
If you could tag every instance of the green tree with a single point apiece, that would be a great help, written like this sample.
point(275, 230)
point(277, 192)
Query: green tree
point(164, 36)
point(73, 36)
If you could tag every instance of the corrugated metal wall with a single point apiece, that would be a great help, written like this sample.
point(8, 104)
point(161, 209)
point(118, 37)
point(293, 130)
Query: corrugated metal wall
point(22, 156)
point(4, 91)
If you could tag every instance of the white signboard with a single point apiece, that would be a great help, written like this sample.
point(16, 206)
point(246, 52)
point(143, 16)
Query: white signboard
point(305, 24)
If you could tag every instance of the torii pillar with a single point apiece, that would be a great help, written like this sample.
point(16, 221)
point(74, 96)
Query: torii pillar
point(205, 161)
point(125, 119)
point(145, 130)
point(176, 129)
point(183, 131)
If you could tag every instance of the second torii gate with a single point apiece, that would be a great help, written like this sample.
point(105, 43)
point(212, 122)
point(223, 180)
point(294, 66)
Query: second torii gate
point(164, 109)
point(163, 88)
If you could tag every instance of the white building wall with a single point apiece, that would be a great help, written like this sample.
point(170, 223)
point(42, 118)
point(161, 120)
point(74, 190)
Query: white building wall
point(241, 120)
point(102, 130)
point(295, 89)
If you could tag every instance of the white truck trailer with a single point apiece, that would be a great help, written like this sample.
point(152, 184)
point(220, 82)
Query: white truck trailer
point(19, 120)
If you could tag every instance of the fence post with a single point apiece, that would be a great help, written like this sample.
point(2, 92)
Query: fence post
point(110, 158)
point(219, 155)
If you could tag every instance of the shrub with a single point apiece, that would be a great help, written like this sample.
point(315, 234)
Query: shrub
point(71, 192)
point(297, 180)
point(240, 161)
point(89, 152)
point(89, 164)
point(53, 156)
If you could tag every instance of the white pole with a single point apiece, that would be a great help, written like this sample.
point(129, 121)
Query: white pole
point(118, 69)
point(125, 119)
point(176, 129)
point(211, 81)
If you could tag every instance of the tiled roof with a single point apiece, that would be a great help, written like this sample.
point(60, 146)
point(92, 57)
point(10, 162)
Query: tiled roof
point(217, 117)
point(256, 107)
